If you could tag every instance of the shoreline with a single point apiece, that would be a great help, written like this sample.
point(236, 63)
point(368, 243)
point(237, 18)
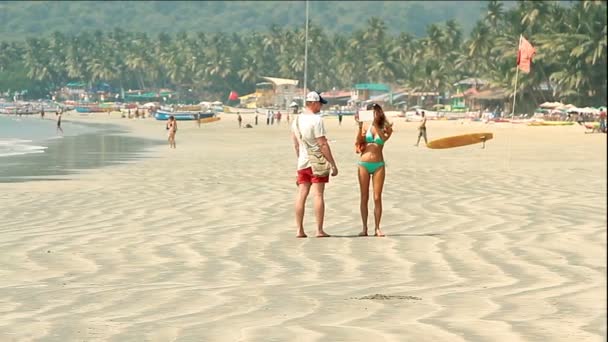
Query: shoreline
point(98, 145)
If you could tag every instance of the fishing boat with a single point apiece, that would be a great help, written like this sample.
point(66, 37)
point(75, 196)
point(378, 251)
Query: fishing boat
point(164, 115)
point(89, 109)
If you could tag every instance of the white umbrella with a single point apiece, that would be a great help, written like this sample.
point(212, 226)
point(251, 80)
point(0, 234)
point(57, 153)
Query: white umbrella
point(216, 103)
point(551, 105)
point(293, 104)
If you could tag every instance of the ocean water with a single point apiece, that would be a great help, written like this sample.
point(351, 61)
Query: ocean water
point(25, 134)
point(32, 149)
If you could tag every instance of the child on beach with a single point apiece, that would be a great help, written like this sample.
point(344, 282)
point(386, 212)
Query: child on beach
point(172, 129)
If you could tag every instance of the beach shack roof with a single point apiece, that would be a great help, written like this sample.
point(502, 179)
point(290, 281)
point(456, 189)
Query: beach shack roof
point(468, 92)
point(281, 81)
point(389, 97)
point(334, 94)
point(75, 84)
point(471, 81)
point(492, 94)
point(372, 86)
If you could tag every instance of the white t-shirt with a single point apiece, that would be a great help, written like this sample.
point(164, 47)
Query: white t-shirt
point(311, 127)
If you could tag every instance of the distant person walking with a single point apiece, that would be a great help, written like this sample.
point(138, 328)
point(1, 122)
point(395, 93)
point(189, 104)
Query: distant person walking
point(42, 113)
point(422, 129)
point(171, 130)
point(239, 119)
point(59, 129)
point(256, 118)
point(340, 119)
point(312, 150)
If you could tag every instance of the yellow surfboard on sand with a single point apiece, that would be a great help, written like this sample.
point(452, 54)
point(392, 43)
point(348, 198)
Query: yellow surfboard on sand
point(551, 123)
point(460, 140)
point(211, 119)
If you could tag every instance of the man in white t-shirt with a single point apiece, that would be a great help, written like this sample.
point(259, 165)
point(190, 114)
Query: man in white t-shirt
point(313, 131)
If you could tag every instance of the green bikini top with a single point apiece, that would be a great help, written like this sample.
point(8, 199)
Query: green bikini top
point(369, 137)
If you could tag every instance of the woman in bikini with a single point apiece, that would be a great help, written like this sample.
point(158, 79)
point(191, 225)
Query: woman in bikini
point(370, 142)
point(171, 128)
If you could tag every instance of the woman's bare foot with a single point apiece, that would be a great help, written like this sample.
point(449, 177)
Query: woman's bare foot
point(301, 234)
point(363, 233)
point(322, 234)
point(379, 233)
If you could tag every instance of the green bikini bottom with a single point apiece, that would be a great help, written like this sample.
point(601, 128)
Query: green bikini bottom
point(371, 167)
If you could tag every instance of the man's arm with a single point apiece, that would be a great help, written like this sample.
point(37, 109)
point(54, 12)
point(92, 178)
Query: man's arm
point(296, 144)
point(324, 146)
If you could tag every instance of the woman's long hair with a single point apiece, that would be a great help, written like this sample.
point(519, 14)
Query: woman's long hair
point(379, 117)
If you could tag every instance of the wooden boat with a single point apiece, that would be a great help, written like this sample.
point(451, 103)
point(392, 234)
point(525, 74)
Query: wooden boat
point(164, 115)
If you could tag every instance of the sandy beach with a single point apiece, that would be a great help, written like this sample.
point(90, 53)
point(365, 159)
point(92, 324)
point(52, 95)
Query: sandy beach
point(506, 243)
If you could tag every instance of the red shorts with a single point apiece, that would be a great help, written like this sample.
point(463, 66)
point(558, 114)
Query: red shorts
point(306, 176)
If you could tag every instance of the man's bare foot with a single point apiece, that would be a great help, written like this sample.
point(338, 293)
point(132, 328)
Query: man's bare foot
point(379, 233)
point(301, 235)
point(322, 234)
point(363, 233)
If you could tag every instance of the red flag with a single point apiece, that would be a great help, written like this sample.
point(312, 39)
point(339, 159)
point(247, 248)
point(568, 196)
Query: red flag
point(233, 96)
point(524, 55)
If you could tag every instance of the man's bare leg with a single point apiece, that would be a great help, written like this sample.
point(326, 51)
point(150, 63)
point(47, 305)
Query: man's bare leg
point(320, 208)
point(303, 190)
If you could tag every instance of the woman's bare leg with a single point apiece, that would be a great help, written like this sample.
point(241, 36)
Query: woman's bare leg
point(364, 189)
point(378, 180)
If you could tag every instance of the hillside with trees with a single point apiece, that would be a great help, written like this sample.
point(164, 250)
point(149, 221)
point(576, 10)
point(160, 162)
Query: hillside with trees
point(570, 41)
point(23, 19)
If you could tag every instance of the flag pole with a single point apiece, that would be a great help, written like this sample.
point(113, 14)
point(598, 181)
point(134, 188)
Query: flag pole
point(516, 76)
point(306, 53)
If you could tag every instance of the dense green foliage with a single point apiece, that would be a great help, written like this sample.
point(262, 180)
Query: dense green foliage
point(23, 19)
point(570, 40)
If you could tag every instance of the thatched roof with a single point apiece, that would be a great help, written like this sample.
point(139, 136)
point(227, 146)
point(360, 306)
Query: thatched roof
point(492, 94)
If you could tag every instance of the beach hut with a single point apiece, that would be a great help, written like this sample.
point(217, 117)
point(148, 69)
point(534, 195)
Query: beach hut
point(364, 91)
point(282, 92)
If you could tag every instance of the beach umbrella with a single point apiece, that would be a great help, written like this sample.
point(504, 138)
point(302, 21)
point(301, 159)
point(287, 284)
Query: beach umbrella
point(293, 104)
point(551, 105)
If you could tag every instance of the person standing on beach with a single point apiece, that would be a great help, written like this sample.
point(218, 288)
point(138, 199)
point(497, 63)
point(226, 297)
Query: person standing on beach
point(42, 113)
point(308, 132)
point(59, 129)
point(172, 129)
point(239, 118)
point(340, 118)
point(422, 130)
point(370, 143)
point(603, 121)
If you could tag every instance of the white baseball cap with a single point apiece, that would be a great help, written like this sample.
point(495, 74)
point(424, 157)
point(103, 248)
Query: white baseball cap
point(314, 96)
